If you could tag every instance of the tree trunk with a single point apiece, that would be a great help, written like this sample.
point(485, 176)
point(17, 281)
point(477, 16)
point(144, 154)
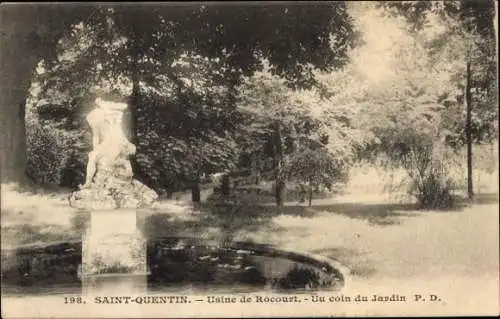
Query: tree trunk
point(280, 182)
point(468, 131)
point(170, 191)
point(132, 110)
point(226, 185)
point(131, 117)
point(310, 194)
point(12, 135)
point(19, 58)
point(195, 191)
point(28, 34)
point(280, 193)
point(255, 172)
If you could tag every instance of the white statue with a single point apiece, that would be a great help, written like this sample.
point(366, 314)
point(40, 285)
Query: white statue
point(109, 182)
point(110, 145)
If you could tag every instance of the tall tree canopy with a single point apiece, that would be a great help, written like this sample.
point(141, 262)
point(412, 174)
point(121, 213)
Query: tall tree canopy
point(294, 37)
point(467, 44)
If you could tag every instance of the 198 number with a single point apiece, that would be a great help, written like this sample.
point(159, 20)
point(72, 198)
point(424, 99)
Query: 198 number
point(73, 300)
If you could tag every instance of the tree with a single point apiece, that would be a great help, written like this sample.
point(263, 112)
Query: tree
point(113, 46)
point(292, 123)
point(188, 132)
point(315, 168)
point(473, 40)
point(468, 39)
point(211, 29)
point(177, 119)
point(28, 33)
point(399, 95)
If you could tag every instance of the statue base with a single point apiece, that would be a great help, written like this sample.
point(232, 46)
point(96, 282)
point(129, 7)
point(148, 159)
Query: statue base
point(114, 254)
point(113, 193)
point(115, 285)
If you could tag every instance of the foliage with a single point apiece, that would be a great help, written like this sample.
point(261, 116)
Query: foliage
point(404, 112)
point(434, 190)
point(317, 169)
point(301, 101)
point(140, 44)
point(57, 142)
point(464, 41)
point(307, 136)
point(300, 277)
point(185, 130)
point(478, 15)
point(51, 156)
point(180, 67)
point(430, 181)
point(457, 33)
point(471, 49)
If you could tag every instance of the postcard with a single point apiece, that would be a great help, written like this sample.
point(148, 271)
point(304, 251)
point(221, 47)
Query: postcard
point(249, 159)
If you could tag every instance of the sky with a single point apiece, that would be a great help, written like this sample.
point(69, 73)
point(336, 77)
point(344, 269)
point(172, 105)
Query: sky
point(377, 60)
point(380, 35)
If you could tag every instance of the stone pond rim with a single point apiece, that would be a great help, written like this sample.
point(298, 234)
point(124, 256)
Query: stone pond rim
point(262, 250)
point(297, 256)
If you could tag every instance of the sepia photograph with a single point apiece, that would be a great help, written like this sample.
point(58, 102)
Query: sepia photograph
point(249, 159)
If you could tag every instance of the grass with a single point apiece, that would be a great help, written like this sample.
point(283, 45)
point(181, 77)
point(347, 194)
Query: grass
point(374, 232)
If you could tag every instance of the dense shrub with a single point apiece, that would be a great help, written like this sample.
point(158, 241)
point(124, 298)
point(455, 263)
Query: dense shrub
point(299, 278)
point(46, 151)
point(54, 156)
point(427, 166)
point(317, 171)
point(433, 189)
point(73, 172)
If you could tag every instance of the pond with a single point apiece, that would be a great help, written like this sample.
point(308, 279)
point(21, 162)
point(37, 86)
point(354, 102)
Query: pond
point(175, 263)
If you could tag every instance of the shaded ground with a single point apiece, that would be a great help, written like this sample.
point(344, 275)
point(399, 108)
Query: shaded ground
point(390, 239)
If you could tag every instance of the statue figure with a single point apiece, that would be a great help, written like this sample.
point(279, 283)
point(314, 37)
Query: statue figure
point(109, 175)
point(108, 140)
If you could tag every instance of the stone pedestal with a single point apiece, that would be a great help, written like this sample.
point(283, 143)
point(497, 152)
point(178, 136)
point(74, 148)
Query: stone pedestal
point(113, 251)
point(114, 254)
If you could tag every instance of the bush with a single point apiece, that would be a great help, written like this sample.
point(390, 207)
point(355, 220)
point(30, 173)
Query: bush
point(54, 156)
point(46, 151)
point(73, 172)
point(315, 171)
point(430, 181)
point(299, 278)
point(433, 190)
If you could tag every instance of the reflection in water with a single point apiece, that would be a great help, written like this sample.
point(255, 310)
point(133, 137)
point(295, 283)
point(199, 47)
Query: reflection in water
point(174, 263)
